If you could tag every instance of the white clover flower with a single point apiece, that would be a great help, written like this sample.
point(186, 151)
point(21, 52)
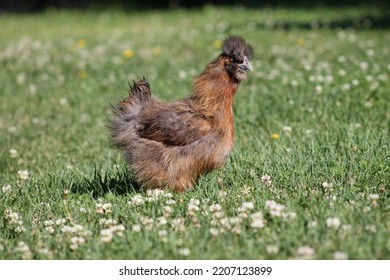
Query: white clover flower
point(182, 74)
point(162, 221)
point(373, 196)
point(162, 233)
point(60, 221)
point(312, 224)
point(48, 223)
point(246, 190)
point(275, 209)
point(290, 215)
point(342, 72)
point(6, 188)
point(49, 229)
point(192, 208)
point(371, 228)
point(346, 227)
point(44, 251)
point(247, 205)
point(23, 175)
point(137, 200)
point(333, 222)
point(167, 209)
point(258, 223)
point(68, 229)
point(327, 186)
point(318, 89)
point(266, 179)
point(219, 214)
point(341, 59)
point(287, 130)
point(63, 101)
point(355, 82)
point(346, 87)
point(13, 153)
point(106, 235)
point(154, 193)
point(236, 229)
point(24, 250)
point(184, 251)
point(195, 201)
point(170, 202)
point(168, 195)
point(272, 249)
point(21, 78)
point(215, 208)
point(214, 231)
point(136, 228)
point(305, 252)
point(329, 78)
point(20, 229)
point(340, 256)
point(235, 220)
point(77, 240)
point(83, 210)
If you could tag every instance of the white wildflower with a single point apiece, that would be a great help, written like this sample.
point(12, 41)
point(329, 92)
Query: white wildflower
point(184, 251)
point(214, 231)
point(318, 89)
point(305, 252)
point(272, 249)
point(60, 221)
point(136, 228)
point(327, 186)
point(340, 256)
point(287, 130)
point(167, 209)
point(106, 235)
point(333, 222)
point(257, 220)
point(371, 228)
point(266, 179)
point(162, 221)
point(170, 202)
point(259, 223)
point(247, 205)
point(312, 224)
point(275, 209)
point(6, 188)
point(13, 153)
point(23, 175)
point(137, 200)
point(24, 250)
point(215, 207)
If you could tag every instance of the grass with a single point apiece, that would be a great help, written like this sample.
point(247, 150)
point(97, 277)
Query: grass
point(314, 116)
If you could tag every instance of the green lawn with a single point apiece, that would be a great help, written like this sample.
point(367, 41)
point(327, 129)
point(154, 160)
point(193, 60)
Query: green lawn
point(314, 116)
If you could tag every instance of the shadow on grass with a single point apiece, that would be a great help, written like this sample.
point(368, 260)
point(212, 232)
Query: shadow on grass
point(118, 183)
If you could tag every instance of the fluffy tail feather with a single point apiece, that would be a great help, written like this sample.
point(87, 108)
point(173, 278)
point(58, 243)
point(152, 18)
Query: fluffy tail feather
point(138, 93)
point(125, 115)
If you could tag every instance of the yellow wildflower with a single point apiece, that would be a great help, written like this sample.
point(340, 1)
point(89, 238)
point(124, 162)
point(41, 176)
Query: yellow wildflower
point(275, 136)
point(217, 44)
point(82, 74)
point(301, 42)
point(81, 44)
point(157, 50)
point(128, 53)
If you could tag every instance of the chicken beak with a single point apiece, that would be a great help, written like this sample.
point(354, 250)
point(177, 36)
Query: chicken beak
point(246, 65)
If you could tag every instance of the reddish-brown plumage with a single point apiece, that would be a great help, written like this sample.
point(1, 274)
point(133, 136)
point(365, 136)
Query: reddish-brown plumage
point(170, 145)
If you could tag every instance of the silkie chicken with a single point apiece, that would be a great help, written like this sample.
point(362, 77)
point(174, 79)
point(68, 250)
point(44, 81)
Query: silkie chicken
point(170, 145)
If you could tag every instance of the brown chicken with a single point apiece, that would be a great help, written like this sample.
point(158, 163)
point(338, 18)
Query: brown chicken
point(170, 145)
